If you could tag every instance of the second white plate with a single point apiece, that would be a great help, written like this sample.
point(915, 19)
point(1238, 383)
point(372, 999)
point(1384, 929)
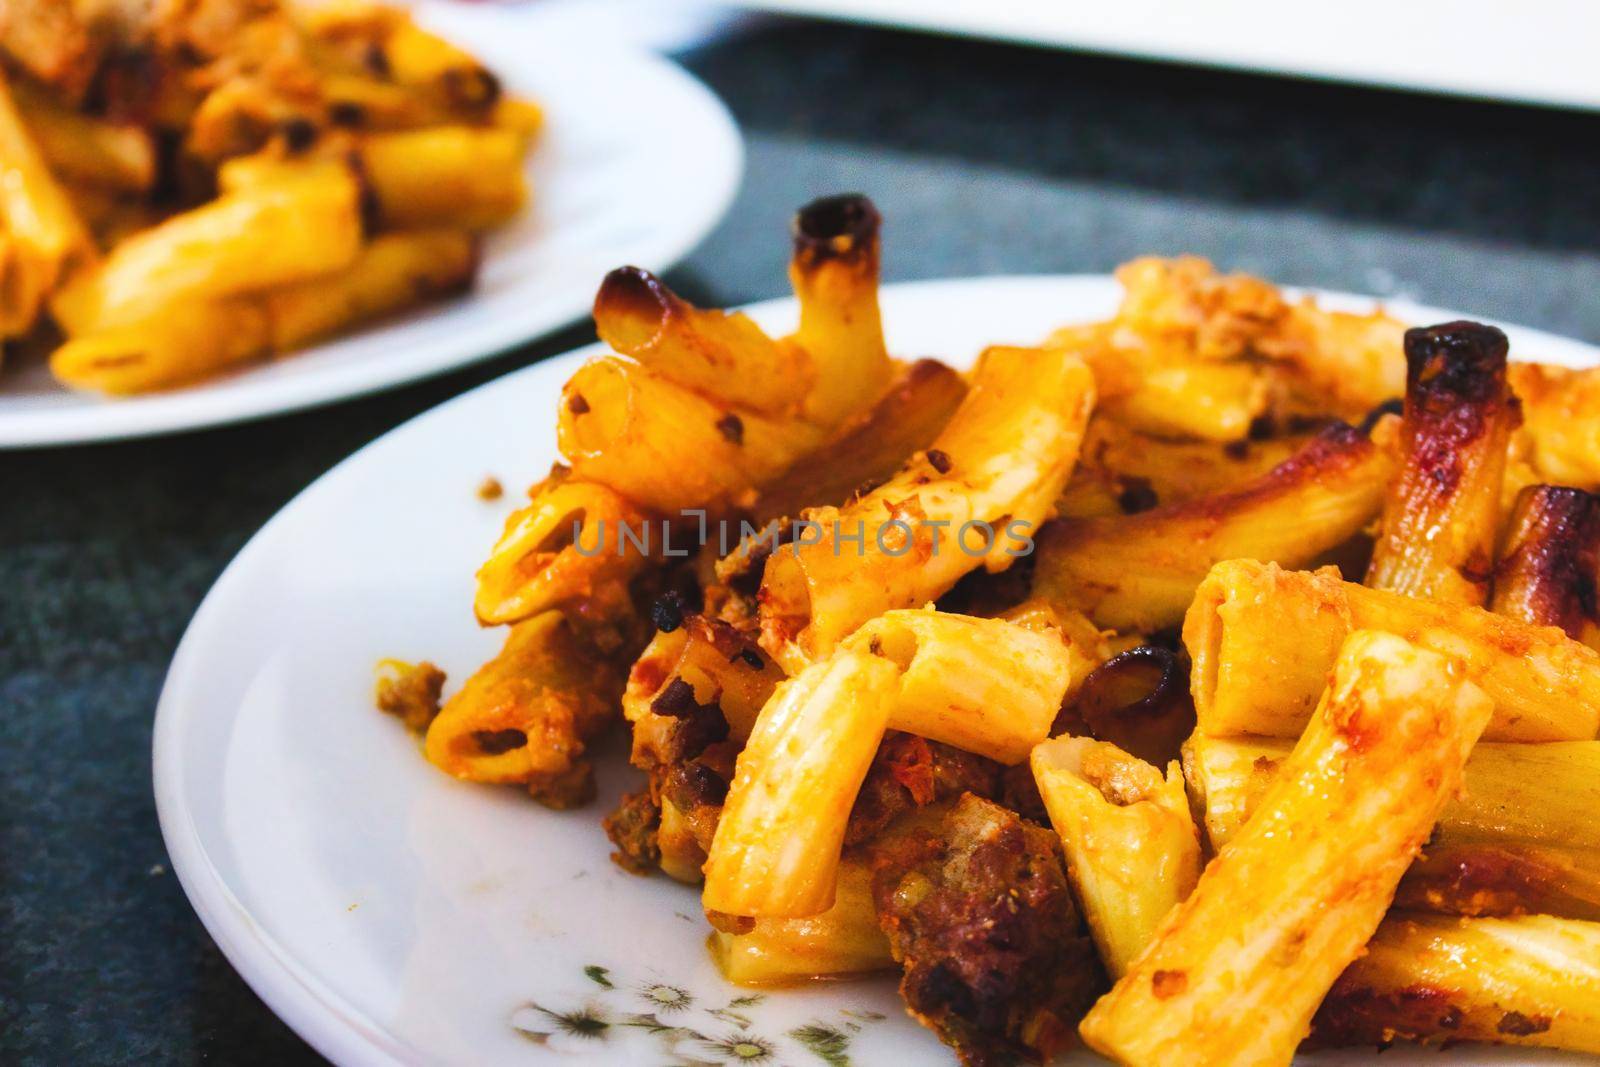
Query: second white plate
point(637, 162)
point(392, 915)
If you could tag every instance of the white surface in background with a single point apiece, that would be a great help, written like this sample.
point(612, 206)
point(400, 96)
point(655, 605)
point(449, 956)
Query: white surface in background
point(1533, 51)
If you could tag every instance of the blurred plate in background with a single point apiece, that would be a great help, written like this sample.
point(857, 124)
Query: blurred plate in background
point(636, 163)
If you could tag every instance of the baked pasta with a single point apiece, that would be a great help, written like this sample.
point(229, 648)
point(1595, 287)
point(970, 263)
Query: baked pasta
point(189, 187)
point(1126, 688)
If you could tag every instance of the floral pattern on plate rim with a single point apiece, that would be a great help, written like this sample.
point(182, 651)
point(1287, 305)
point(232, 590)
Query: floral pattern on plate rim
point(683, 1025)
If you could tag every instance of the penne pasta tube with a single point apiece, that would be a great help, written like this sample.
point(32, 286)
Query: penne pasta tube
point(1439, 522)
point(834, 271)
point(392, 272)
point(272, 235)
point(973, 499)
point(1139, 572)
point(414, 57)
point(1521, 836)
point(1261, 640)
point(1124, 471)
point(723, 356)
point(1132, 849)
point(1550, 564)
point(1530, 981)
point(24, 282)
point(565, 549)
point(181, 344)
point(983, 685)
point(37, 215)
point(1211, 401)
point(1236, 971)
point(82, 148)
point(666, 447)
point(526, 716)
point(905, 419)
point(458, 176)
point(385, 41)
point(843, 942)
point(776, 850)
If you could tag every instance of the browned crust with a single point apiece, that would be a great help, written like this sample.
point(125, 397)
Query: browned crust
point(1455, 392)
point(632, 308)
point(1547, 574)
point(842, 229)
point(1479, 880)
point(1336, 448)
point(904, 420)
point(1354, 1014)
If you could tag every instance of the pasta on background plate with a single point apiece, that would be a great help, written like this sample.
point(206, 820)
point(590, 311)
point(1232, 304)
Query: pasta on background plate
point(191, 187)
point(1125, 689)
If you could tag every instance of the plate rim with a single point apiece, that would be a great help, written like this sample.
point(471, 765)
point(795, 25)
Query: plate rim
point(150, 415)
point(319, 1015)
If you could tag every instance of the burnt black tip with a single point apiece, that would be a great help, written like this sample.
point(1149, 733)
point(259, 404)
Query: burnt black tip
point(1470, 339)
point(849, 215)
point(634, 289)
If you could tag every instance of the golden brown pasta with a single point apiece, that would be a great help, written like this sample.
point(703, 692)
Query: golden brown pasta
point(564, 549)
point(1132, 849)
point(1550, 564)
point(1262, 639)
point(1238, 968)
point(723, 356)
point(834, 271)
point(1442, 514)
point(1520, 837)
point(1139, 572)
point(1527, 981)
point(972, 499)
point(527, 715)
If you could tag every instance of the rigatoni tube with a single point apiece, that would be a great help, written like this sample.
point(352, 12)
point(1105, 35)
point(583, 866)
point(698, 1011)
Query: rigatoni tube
point(667, 447)
point(721, 354)
point(1531, 980)
point(984, 685)
point(1550, 565)
point(776, 850)
point(1140, 571)
point(1441, 516)
point(1520, 837)
point(1132, 849)
point(834, 271)
point(842, 942)
point(1262, 638)
point(1237, 969)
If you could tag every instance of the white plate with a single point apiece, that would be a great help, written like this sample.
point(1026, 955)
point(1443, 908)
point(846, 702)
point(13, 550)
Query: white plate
point(392, 915)
point(1537, 51)
point(637, 162)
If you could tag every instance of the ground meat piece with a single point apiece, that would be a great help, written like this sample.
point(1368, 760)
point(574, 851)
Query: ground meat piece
point(909, 772)
point(410, 692)
point(633, 828)
point(975, 903)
